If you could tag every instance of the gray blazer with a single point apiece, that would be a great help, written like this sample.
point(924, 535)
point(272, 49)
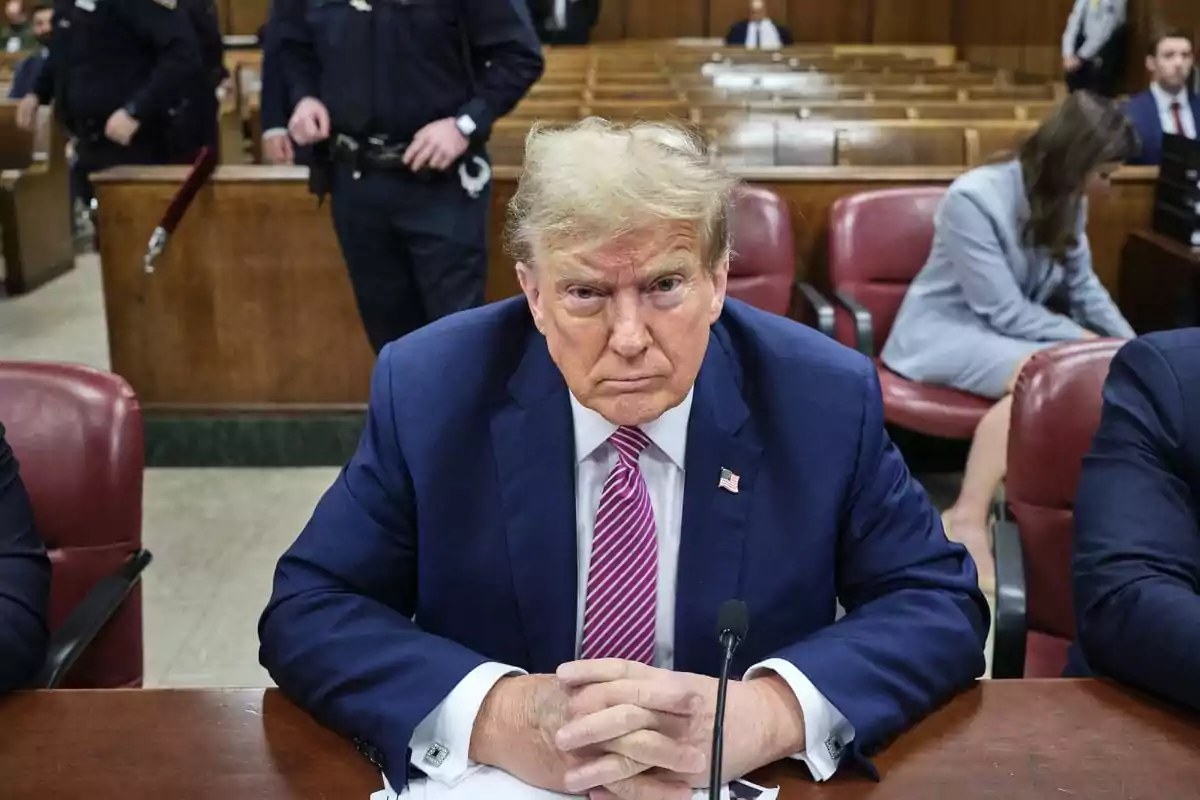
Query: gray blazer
point(977, 309)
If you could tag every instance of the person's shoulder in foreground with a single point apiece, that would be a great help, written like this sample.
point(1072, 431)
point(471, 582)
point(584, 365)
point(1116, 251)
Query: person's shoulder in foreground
point(448, 544)
point(24, 580)
point(1136, 559)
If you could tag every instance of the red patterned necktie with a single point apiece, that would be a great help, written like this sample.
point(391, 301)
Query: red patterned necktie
point(1177, 112)
point(622, 586)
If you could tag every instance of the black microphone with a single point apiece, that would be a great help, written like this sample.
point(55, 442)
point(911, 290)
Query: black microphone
point(733, 621)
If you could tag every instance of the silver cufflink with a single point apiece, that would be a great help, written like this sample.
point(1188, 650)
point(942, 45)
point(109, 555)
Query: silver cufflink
point(436, 755)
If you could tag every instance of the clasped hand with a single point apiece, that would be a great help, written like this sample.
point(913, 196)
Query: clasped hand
point(618, 729)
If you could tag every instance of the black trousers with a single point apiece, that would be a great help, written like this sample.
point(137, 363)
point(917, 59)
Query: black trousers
point(416, 250)
point(94, 152)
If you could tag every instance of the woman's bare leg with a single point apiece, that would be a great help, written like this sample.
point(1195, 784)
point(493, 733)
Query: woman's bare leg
point(987, 462)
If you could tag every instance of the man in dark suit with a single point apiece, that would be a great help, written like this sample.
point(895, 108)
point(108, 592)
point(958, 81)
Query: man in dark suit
point(1136, 561)
point(564, 22)
point(1167, 106)
point(24, 580)
point(555, 494)
point(758, 32)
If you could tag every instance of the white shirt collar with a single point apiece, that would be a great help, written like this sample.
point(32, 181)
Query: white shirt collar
point(1165, 100)
point(668, 432)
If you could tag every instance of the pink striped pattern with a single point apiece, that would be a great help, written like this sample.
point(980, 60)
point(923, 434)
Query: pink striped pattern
point(619, 613)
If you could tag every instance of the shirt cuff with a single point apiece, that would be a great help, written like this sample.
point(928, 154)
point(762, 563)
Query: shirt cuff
point(271, 132)
point(442, 740)
point(826, 730)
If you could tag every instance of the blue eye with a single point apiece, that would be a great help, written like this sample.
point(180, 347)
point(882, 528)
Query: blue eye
point(668, 284)
point(583, 293)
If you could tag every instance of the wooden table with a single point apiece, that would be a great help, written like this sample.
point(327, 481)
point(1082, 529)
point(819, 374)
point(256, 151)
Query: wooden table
point(1159, 283)
point(1003, 739)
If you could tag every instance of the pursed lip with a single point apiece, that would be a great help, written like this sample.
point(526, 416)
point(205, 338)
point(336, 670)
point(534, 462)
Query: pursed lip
point(630, 384)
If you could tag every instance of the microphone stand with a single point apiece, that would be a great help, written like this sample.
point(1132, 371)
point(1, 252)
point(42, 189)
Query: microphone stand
point(731, 642)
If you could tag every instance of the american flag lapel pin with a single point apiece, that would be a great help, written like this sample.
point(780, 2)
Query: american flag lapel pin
point(729, 481)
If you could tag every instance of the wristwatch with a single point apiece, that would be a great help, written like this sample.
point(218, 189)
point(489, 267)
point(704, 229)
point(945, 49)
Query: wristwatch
point(466, 126)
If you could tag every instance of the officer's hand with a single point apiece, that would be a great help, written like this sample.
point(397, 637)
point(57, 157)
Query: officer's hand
point(27, 112)
point(437, 145)
point(121, 128)
point(310, 122)
point(1072, 63)
point(277, 148)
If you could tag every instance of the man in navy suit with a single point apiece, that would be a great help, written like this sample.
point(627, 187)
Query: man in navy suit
point(1136, 560)
point(24, 580)
point(759, 32)
point(25, 77)
point(522, 565)
point(1167, 106)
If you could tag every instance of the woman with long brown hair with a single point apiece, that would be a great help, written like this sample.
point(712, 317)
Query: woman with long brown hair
point(1010, 237)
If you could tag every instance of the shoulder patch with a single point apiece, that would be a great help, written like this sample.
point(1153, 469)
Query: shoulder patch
point(171, 4)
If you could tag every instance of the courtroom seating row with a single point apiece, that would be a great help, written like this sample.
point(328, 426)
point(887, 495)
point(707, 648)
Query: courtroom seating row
point(815, 143)
point(35, 206)
point(711, 113)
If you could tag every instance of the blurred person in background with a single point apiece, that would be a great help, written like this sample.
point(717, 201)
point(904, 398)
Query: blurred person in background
point(116, 70)
point(1167, 107)
point(564, 22)
point(758, 31)
point(1009, 238)
point(25, 76)
point(17, 32)
point(1093, 46)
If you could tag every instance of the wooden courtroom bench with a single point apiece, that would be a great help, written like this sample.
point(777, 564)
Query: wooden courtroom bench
point(35, 205)
point(999, 740)
point(251, 310)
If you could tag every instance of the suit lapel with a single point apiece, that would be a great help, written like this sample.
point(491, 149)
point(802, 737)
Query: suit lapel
point(533, 441)
point(714, 519)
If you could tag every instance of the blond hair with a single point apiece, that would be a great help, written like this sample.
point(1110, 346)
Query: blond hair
point(596, 180)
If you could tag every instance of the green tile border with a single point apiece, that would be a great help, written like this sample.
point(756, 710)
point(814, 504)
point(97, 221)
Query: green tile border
point(251, 440)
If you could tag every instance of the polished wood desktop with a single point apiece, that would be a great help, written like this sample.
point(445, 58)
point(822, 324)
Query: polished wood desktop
point(1003, 739)
point(1159, 283)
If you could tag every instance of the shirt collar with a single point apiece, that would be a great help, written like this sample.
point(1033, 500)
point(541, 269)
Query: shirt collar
point(1165, 100)
point(668, 432)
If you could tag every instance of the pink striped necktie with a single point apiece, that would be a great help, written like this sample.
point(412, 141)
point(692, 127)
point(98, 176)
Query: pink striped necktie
point(622, 586)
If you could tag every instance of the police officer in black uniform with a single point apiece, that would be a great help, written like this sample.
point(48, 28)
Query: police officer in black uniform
point(115, 71)
point(195, 116)
point(402, 95)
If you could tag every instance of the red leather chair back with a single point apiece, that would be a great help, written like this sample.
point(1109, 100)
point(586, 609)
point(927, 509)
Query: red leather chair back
point(763, 267)
point(77, 434)
point(1056, 409)
point(878, 242)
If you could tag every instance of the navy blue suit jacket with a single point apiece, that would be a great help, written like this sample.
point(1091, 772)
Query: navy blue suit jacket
point(1143, 113)
point(1136, 560)
point(737, 33)
point(25, 77)
point(449, 539)
point(24, 580)
point(276, 101)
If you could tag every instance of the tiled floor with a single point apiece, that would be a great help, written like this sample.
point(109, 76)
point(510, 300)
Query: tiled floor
point(215, 533)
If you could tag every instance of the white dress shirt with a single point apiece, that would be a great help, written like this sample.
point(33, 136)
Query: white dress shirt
point(441, 741)
point(1167, 117)
point(762, 35)
point(1099, 20)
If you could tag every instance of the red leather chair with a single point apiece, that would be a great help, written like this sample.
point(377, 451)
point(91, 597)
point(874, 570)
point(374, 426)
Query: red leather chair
point(878, 242)
point(77, 434)
point(762, 271)
point(1056, 408)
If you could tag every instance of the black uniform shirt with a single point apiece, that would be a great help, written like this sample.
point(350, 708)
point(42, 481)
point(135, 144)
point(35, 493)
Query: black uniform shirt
point(112, 54)
point(393, 66)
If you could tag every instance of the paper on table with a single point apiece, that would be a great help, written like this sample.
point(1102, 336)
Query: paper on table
point(497, 785)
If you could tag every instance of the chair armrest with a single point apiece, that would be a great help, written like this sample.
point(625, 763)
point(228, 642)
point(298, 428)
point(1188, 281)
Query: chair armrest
point(86, 621)
point(864, 326)
point(1008, 659)
point(821, 308)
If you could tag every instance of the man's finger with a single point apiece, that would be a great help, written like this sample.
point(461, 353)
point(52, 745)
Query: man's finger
point(606, 724)
point(417, 154)
point(657, 750)
point(602, 771)
point(601, 670)
point(645, 787)
point(665, 695)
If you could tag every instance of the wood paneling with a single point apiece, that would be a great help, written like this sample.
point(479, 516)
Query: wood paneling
point(844, 21)
point(664, 19)
point(251, 308)
point(913, 21)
